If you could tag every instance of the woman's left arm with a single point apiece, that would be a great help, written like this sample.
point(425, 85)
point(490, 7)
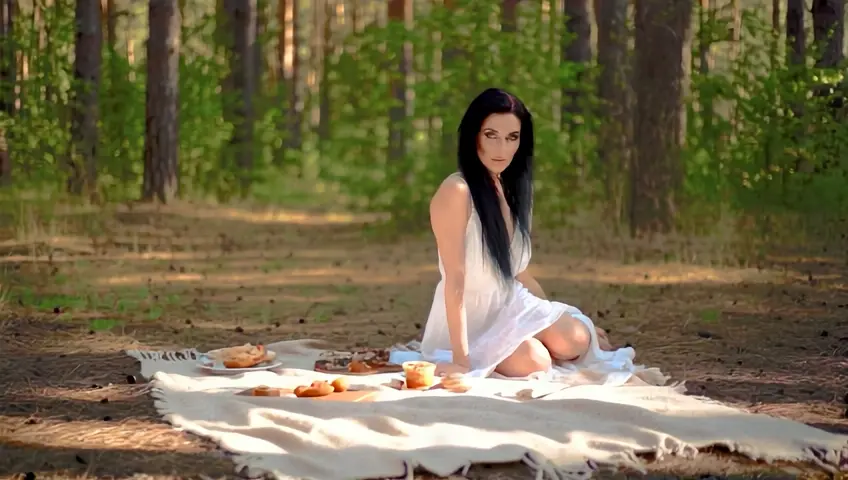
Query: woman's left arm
point(530, 283)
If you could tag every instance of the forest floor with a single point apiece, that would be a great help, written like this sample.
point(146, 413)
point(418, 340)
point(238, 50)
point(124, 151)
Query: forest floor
point(771, 337)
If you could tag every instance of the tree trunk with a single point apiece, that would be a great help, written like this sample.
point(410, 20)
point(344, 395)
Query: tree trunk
point(795, 32)
point(577, 49)
point(509, 18)
point(5, 160)
point(258, 53)
point(705, 61)
point(289, 63)
point(324, 87)
point(8, 70)
point(161, 142)
point(663, 31)
point(241, 35)
point(829, 31)
point(400, 11)
point(8, 63)
point(82, 163)
point(509, 26)
point(451, 57)
point(615, 97)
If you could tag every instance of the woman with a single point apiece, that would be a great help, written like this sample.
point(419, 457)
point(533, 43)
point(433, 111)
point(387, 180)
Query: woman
point(488, 312)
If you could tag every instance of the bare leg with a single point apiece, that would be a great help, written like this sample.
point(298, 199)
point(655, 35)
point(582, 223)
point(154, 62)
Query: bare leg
point(567, 339)
point(531, 356)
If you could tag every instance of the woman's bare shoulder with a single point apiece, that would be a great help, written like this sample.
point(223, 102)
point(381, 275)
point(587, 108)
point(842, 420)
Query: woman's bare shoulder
point(452, 197)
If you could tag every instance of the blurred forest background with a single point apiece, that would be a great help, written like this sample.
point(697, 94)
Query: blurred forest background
point(657, 115)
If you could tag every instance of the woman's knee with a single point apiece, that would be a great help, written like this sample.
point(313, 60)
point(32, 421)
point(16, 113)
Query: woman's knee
point(531, 356)
point(567, 339)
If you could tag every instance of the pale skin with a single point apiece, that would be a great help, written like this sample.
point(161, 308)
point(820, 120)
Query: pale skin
point(450, 208)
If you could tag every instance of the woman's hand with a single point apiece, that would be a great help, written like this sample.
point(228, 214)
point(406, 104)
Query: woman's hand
point(603, 340)
point(445, 369)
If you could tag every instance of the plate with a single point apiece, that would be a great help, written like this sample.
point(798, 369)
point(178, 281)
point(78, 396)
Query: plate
point(207, 362)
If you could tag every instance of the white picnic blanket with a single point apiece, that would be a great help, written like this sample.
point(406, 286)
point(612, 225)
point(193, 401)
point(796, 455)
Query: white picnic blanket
point(564, 434)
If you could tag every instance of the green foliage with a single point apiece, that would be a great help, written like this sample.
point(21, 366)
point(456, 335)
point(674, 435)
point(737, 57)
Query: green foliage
point(761, 157)
point(752, 155)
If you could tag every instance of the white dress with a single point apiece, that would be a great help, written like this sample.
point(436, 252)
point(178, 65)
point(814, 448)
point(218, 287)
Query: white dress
point(498, 317)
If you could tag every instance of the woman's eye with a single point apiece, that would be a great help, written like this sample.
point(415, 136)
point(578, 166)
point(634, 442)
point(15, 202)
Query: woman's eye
point(491, 135)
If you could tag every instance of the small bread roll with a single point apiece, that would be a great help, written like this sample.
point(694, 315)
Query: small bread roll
point(455, 382)
point(266, 391)
point(340, 384)
point(317, 389)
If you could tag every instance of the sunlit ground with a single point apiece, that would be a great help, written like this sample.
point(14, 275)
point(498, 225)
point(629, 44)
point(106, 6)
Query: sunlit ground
point(761, 331)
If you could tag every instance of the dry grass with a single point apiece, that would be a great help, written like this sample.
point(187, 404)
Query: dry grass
point(768, 333)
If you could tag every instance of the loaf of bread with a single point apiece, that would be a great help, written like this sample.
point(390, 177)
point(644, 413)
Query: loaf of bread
point(244, 356)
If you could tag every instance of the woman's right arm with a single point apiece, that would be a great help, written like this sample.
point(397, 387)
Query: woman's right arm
point(449, 211)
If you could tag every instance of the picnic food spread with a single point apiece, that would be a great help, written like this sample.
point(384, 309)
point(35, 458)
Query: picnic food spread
point(243, 356)
point(364, 362)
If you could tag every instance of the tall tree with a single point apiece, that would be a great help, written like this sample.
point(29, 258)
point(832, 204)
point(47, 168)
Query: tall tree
point(663, 32)
point(795, 32)
point(289, 63)
point(7, 57)
point(509, 26)
point(576, 48)
point(88, 59)
point(705, 58)
point(615, 97)
point(400, 11)
point(161, 141)
point(509, 16)
point(240, 19)
point(7, 81)
point(829, 31)
point(327, 20)
point(452, 55)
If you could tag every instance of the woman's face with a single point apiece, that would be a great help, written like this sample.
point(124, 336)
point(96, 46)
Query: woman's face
point(498, 141)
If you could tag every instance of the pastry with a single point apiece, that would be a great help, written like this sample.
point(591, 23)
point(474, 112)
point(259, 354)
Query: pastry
point(455, 382)
point(358, 366)
point(317, 389)
point(244, 356)
point(266, 391)
point(340, 384)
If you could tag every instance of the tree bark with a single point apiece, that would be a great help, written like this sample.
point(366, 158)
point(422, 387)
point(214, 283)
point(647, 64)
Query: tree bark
point(84, 108)
point(616, 98)
point(795, 32)
point(829, 31)
point(452, 56)
point(241, 35)
point(161, 142)
point(577, 49)
point(8, 63)
point(8, 79)
point(663, 32)
point(289, 63)
point(400, 11)
point(509, 17)
point(324, 89)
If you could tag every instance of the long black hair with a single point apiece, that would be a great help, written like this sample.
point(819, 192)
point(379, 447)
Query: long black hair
point(516, 179)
